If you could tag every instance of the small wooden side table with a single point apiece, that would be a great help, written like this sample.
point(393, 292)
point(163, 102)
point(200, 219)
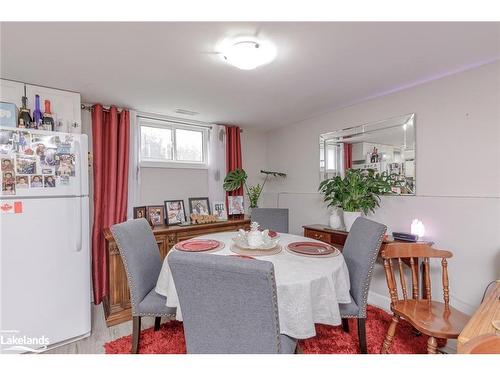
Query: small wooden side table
point(337, 238)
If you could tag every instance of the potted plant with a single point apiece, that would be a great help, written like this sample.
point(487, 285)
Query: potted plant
point(238, 177)
point(358, 192)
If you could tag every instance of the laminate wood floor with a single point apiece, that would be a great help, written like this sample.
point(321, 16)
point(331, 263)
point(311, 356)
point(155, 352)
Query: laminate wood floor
point(100, 335)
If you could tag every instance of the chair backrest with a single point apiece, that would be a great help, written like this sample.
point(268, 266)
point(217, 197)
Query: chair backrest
point(403, 252)
point(271, 218)
point(228, 304)
point(360, 253)
point(140, 255)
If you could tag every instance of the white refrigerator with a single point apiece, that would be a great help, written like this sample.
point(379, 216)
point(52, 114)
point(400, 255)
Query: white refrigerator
point(44, 230)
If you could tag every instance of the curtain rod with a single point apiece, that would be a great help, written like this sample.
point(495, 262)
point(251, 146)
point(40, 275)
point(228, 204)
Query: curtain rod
point(88, 107)
point(149, 116)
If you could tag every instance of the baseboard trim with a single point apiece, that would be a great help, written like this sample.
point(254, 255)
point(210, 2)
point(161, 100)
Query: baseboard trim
point(379, 300)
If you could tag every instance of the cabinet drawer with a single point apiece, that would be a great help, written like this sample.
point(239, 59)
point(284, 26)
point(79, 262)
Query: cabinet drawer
point(317, 235)
point(338, 238)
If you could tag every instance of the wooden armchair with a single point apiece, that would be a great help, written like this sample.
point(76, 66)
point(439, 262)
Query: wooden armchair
point(435, 319)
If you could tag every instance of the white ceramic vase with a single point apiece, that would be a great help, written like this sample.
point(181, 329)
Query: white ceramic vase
point(349, 218)
point(335, 219)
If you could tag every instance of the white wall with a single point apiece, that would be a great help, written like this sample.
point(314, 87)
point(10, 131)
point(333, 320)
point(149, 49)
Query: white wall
point(160, 184)
point(458, 173)
point(254, 154)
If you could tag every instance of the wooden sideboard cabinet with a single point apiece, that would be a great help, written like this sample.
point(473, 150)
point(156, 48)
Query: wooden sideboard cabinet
point(117, 306)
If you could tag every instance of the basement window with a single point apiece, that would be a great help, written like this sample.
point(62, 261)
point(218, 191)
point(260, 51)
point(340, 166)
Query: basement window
point(166, 144)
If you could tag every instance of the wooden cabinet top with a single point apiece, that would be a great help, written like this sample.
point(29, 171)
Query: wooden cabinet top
point(171, 229)
point(326, 229)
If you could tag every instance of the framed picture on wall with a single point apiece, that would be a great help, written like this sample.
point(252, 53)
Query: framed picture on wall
point(156, 215)
point(220, 210)
point(199, 206)
point(175, 212)
point(236, 205)
point(140, 212)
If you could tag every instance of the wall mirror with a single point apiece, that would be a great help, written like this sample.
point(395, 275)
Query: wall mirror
point(384, 146)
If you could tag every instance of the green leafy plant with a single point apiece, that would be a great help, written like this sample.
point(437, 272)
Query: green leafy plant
point(357, 191)
point(238, 177)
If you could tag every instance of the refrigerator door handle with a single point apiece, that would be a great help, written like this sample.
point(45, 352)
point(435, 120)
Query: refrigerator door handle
point(79, 226)
point(78, 151)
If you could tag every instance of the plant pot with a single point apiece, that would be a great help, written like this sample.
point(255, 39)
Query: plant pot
point(350, 218)
point(335, 219)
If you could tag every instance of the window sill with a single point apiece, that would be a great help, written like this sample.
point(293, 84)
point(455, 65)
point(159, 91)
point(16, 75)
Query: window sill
point(172, 165)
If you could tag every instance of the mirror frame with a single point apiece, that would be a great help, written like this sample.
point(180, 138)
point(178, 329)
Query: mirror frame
point(339, 136)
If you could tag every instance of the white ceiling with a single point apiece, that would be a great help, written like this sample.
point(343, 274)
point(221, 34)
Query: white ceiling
point(159, 67)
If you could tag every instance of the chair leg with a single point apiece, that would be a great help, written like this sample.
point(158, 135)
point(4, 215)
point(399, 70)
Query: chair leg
point(298, 349)
point(390, 335)
point(362, 335)
point(136, 334)
point(157, 323)
point(345, 324)
point(432, 345)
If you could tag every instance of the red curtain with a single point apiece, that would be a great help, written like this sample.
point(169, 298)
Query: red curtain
point(110, 144)
point(233, 154)
point(347, 156)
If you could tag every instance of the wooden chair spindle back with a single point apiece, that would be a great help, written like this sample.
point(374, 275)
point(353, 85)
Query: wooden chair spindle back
point(409, 253)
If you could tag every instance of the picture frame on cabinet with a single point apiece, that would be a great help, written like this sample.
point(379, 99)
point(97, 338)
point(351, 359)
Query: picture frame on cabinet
point(199, 206)
point(236, 205)
point(140, 212)
point(156, 215)
point(175, 212)
point(220, 210)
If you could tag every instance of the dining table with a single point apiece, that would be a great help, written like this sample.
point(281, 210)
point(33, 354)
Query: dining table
point(309, 288)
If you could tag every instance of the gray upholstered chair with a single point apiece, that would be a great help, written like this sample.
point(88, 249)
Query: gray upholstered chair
point(141, 258)
point(229, 304)
point(271, 218)
point(360, 252)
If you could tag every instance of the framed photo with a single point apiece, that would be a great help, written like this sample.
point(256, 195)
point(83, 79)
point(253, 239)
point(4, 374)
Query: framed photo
point(36, 181)
point(7, 165)
point(175, 212)
point(22, 182)
point(156, 215)
point(199, 206)
point(26, 164)
point(8, 114)
point(140, 212)
point(220, 210)
point(236, 205)
point(49, 181)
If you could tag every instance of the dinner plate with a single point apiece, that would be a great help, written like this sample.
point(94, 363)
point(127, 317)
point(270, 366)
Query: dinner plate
point(197, 245)
point(312, 248)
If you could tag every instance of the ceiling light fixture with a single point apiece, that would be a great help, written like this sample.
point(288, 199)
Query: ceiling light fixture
point(248, 53)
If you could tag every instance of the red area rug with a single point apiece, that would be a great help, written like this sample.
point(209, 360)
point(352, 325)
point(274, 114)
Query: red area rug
point(328, 340)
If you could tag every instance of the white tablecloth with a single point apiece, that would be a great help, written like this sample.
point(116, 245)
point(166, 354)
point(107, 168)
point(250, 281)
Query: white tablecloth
point(309, 289)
